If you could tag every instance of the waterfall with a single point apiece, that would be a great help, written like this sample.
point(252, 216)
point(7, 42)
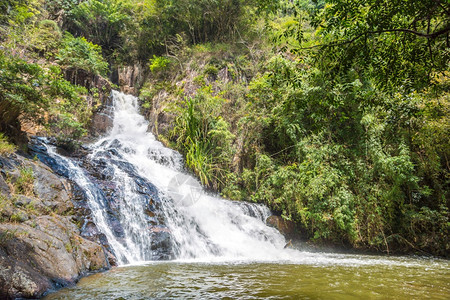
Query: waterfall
point(194, 224)
point(134, 249)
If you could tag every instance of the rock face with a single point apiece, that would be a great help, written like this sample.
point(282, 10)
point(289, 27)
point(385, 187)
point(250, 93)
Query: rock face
point(102, 119)
point(106, 170)
point(44, 253)
point(41, 246)
point(89, 81)
point(285, 227)
point(131, 78)
point(161, 122)
point(102, 169)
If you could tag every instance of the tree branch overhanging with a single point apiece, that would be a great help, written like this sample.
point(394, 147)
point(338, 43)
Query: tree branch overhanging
point(429, 36)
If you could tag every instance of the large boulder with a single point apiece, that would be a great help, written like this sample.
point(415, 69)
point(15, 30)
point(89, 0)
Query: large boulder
point(41, 245)
point(44, 253)
point(102, 121)
point(285, 227)
point(52, 190)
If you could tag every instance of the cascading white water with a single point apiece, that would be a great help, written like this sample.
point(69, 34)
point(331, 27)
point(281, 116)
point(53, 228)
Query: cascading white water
point(203, 227)
point(125, 252)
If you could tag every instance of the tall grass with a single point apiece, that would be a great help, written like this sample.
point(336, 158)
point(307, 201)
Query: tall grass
point(6, 148)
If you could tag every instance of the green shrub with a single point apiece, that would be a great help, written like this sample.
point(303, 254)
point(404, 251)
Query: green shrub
point(78, 53)
point(158, 64)
point(101, 21)
point(15, 11)
point(46, 37)
point(22, 89)
point(55, 7)
point(5, 147)
point(204, 137)
point(40, 95)
point(25, 182)
point(211, 70)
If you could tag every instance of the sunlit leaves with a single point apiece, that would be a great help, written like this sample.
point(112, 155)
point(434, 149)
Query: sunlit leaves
point(101, 21)
point(79, 53)
point(397, 43)
point(32, 92)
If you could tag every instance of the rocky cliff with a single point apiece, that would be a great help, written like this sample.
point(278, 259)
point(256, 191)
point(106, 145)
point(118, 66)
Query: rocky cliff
point(41, 245)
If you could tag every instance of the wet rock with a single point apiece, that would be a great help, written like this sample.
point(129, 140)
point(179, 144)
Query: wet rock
point(114, 152)
point(37, 145)
point(112, 259)
point(102, 121)
point(78, 152)
point(38, 149)
point(43, 254)
point(43, 249)
point(161, 243)
point(115, 144)
point(285, 227)
point(79, 197)
point(125, 166)
point(89, 230)
point(116, 226)
point(99, 168)
point(150, 212)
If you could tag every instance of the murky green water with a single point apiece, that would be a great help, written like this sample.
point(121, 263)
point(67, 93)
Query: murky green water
point(327, 277)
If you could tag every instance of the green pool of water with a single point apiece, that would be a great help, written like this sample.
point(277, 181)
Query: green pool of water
point(317, 277)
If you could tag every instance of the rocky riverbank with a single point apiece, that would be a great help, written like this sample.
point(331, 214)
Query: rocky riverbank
point(41, 243)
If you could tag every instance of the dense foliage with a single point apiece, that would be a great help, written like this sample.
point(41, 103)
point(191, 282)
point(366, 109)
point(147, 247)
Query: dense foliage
point(40, 95)
point(341, 126)
point(335, 113)
point(78, 53)
point(33, 90)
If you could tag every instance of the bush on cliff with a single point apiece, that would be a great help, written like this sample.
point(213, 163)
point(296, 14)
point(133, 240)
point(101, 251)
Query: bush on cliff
point(39, 94)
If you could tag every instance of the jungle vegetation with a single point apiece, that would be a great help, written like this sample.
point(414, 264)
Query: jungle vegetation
point(334, 113)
